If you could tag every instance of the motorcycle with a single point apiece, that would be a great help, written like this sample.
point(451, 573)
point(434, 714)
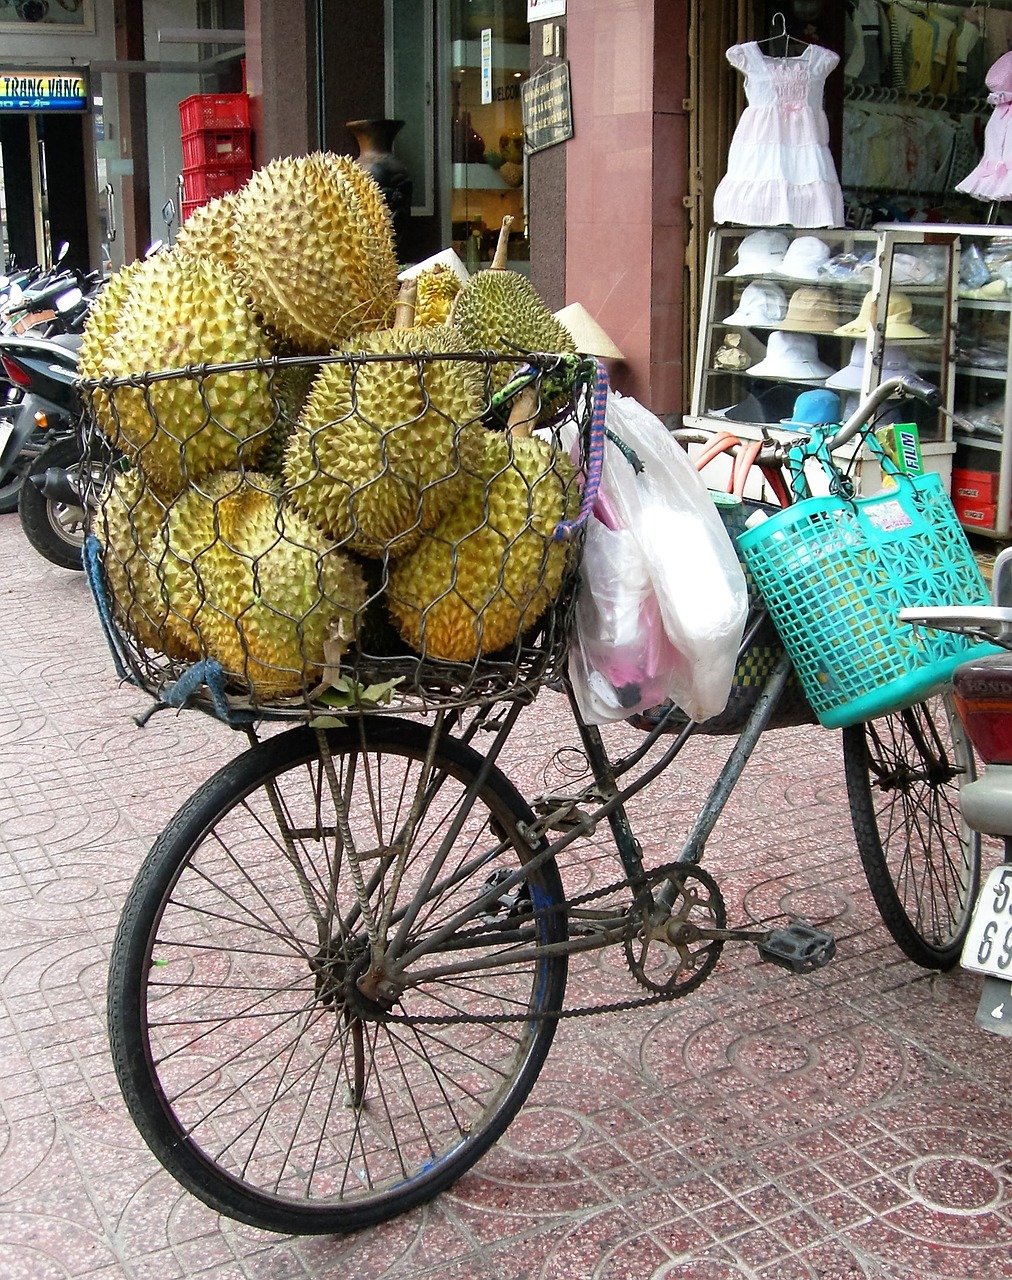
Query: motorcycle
point(46, 430)
point(56, 309)
point(982, 693)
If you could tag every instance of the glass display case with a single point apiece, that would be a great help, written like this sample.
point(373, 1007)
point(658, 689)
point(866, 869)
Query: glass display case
point(489, 61)
point(796, 325)
point(982, 468)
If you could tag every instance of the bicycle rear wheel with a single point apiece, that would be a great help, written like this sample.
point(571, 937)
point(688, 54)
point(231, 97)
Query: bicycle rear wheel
point(254, 1068)
point(922, 862)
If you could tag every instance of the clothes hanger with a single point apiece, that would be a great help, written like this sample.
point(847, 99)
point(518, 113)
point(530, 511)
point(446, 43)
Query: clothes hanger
point(780, 33)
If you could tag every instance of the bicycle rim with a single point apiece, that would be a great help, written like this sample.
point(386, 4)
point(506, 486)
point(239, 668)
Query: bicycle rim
point(921, 861)
point(257, 1076)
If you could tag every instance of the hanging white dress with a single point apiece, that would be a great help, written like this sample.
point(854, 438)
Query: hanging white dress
point(779, 166)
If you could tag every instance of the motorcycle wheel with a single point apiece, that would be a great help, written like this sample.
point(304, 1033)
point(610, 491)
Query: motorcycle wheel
point(55, 529)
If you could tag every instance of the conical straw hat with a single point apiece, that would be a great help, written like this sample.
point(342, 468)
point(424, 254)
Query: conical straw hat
point(588, 335)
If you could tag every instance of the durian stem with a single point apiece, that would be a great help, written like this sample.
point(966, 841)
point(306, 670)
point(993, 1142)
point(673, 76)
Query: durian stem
point(502, 245)
point(404, 313)
point(524, 412)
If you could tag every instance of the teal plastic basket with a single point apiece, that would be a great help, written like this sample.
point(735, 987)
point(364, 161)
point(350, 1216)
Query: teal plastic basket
point(835, 572)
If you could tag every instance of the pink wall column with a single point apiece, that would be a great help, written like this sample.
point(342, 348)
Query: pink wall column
point(626, 175)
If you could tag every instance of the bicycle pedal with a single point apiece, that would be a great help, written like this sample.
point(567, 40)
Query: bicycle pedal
point(798, 947)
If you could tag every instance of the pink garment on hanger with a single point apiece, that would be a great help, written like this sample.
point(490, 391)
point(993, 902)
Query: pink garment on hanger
point(779, 167)
point(992, 177)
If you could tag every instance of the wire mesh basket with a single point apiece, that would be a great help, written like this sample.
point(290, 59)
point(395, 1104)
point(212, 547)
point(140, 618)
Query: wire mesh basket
point(341, 534)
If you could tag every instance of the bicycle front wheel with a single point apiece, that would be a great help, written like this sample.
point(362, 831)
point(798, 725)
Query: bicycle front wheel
point(921, 861)
point(253, 1067)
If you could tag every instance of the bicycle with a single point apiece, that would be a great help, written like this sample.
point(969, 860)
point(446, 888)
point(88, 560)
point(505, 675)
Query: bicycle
point(340, 968)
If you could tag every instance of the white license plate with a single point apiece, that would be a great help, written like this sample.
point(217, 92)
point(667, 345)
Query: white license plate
point(988, 945)
point(6, 431)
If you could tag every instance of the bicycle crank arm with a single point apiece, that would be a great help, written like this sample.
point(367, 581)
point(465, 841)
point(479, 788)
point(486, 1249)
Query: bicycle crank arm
point(797, 946)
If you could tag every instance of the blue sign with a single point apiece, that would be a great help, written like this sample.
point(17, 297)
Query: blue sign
point(32, 90)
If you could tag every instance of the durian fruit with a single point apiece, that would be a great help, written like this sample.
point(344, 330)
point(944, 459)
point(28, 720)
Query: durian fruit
point(381, 252)
point(377, 455)
point(499, 310)
point(179, 310)
point(310, 250)
point(103, 318)
point(489, 570)
point(210, 230)
point(438, 285)
point(129, 524)
point(256, 585)
point(290, 387)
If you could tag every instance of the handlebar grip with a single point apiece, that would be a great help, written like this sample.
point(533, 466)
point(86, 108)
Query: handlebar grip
point(923, 390)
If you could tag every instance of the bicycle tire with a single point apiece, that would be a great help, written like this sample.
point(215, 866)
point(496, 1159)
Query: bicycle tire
point(921, 861)
point(245, 1063)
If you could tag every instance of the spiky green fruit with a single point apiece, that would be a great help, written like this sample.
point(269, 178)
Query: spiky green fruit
point(501, 311)
point(437, 286)
point(310, 256)
point(100, 328)
point(258, 586)
point(177, 311)
point(129, 524)
point(489, 570)
point(210, 230)
point(380, 445)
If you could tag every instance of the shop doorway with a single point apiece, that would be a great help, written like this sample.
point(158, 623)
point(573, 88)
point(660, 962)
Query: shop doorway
point(42, 169)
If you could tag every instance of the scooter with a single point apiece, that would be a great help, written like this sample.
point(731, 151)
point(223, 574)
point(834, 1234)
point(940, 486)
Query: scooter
point(982, 692)
point(54, 307)
point(46, 429)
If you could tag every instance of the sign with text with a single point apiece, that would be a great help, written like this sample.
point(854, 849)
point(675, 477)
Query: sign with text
point(538, 9)
point(547, 108)
point(36, 90)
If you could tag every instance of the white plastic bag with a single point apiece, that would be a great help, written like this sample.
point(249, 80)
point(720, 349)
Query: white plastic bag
point(696, 584)
point(621, 660)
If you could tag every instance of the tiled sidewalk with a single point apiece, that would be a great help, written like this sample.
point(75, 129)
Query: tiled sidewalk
point(851, 1124)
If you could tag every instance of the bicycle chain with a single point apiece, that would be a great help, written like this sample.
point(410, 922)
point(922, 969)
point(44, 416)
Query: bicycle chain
point(583, 1011)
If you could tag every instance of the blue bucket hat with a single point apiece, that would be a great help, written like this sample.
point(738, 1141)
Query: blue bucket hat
point(813, 409)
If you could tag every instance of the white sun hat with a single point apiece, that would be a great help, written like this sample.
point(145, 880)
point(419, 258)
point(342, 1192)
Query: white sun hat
point(804, 258)
point(793, 357)
point(759, 253)
point(760, 304)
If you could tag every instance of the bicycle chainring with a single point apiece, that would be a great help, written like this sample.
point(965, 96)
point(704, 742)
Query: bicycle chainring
point(667, 950)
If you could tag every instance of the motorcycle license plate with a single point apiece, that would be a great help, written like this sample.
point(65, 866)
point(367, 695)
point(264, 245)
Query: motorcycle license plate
point(6, 431)
point(988, 945)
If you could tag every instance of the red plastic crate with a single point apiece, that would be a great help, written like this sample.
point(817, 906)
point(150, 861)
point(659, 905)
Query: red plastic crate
point(216, 147)
point(970, 511)
point(214, 111)
point(189, 206)
point(207, 181)
point(981, 486)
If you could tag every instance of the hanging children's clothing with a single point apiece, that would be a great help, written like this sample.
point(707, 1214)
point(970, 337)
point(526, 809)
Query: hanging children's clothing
point(992, 178)
point(779, 167)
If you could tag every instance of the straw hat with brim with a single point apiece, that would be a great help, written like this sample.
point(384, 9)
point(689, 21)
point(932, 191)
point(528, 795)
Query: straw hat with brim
point(898, 319)
point(851, 377)
point(814, 409)
point(759, 253)
point(810, 311)
point(793, 357)
point(590, 338)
